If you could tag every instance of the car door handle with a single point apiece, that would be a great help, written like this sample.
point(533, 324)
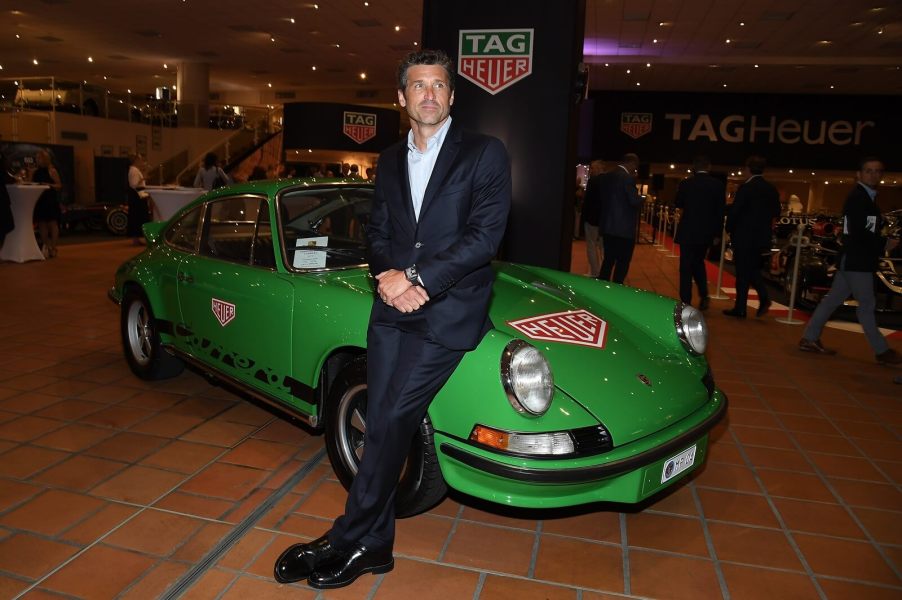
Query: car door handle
point(185, 278)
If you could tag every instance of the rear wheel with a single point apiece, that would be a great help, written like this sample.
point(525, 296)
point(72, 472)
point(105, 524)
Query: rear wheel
point(117, 220)
point(421, 484)
point(145, 355)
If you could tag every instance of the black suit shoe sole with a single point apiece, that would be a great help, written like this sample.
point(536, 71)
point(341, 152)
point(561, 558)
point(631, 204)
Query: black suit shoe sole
point(375, 570)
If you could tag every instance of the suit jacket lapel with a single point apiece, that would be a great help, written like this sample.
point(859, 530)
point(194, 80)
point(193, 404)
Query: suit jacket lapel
point(404, 183)
point(443, 162)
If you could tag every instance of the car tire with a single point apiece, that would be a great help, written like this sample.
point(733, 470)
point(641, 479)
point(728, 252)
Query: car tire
point(421, 485)
point(145, 355)
point(117, 220)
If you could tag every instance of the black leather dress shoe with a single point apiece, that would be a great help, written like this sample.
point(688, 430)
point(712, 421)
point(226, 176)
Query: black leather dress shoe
point(704, 303)
point(348, 566)
point(763, 308)
point(734, 312)
point(298, 561)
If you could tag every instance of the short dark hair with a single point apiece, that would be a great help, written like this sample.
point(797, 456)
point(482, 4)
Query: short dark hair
point(867, 159)
point(756, 164)
point(701, 163)
point(631, 158)
point(210, 160)
point(425, 57)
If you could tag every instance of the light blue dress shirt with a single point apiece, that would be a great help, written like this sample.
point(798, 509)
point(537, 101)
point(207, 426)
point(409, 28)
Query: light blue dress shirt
point(420, 164)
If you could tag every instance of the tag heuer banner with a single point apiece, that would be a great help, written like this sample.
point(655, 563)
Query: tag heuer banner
point(495, 59)
point(635, 125)
point(359, 126)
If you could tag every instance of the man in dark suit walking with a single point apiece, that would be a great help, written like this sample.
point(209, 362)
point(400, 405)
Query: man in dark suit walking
point(617, 218)
point(750, 224)
point(862, 246)
point(701, 199)
point(439, 213)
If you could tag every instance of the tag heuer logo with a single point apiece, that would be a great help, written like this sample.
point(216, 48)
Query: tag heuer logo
point(635, 125)
point(495, 59)
point(572, 327)
point(359, 126)
point(224, 311)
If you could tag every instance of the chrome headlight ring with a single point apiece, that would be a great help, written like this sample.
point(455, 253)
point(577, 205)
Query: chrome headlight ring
point(527, 378)
point(691, 328)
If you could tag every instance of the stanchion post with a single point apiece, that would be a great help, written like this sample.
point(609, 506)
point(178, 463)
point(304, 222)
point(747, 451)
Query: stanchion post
point(665, 221)
point(718, 294)
point(800, 241)
point(676, 225)
point(657, 236)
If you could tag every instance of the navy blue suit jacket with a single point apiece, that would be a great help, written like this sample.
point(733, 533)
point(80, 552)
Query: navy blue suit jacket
point(750, 218)
point(461, 225)
point(702, 198)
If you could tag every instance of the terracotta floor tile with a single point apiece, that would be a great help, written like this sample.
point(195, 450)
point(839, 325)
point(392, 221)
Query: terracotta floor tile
point(29, 381)
point(99, 524)
point(422, 536)
point(729, 477)
point(725, 452)
point(847, 412)
point(748, 583)
point(31, 556)
point(793, 406)
point(210, 585)
point(753, 418)
point(497, 515)
point(892, 470)
point(660, 532)
point(154, 532)
point(595, 526)
point(870, 495)
point(807, 424)
point(16, 492)
point(795, 485)
point(263, 589)
point(868, 431)
point(247, 413)
point(69, 409)
point(73, 437)
point(497, 587)
point(847, 467)
point(677, 499)
point(167, 424)
point(51, 512)
point(669, 576)
point(312, 527)
point(138, 484)
point(79, 473)
point(219, 433)
point(200, 506)
point(184, 457)
point(579, 563)
point(89, 575)
point(831, 444)
point(509, 551)
point(282, 431)
point(203, 540)
point(230, 482)
point(28, 402)
point(759, 436)
point(111, 394)
point(722, 505)
point(118, 417)
point(27, 428)
point(424, 581)
point(156, 581)
point(741, 400)
point(255, 553)
point(10, 588)
point(153, 400)
point(752, 545)
point(260, 454)
point(775, 458)
point(327, 501)
point(881, 450)
point(894, 553)
point(23, 461)
point(845, 558)
point(885, 526)
point(817, 517)
point(127, 446)
point(847, 590)
point(247, 505)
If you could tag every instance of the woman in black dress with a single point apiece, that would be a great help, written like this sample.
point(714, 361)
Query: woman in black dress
point(47, 210)
point(138, 205)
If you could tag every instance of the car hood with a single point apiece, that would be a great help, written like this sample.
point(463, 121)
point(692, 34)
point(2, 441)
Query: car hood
point(626, 365)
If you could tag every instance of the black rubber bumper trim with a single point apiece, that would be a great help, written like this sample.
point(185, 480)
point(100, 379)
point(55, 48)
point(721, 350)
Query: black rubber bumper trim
point(585, 474)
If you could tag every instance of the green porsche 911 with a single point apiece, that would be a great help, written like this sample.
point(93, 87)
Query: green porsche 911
point(584, 390)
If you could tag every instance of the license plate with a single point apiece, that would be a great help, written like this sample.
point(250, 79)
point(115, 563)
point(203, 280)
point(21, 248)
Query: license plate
point(679, 463)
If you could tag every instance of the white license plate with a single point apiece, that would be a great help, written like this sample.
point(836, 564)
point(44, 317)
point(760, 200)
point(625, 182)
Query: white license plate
point(679, 463)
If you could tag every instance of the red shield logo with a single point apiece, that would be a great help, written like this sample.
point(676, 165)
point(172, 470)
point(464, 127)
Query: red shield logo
point(224, 311)
point(635, 125)
point(578, 327)
point(359, 126)
point(495, 59)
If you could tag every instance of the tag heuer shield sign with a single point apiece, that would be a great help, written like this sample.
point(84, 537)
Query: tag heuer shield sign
point(359, 126)
point(495, 59)
point(635, 125)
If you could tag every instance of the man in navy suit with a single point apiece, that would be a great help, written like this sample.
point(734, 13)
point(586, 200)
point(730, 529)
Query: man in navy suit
point(750, 224)
point(439, 214)
point(617, 218)
point(701, 199)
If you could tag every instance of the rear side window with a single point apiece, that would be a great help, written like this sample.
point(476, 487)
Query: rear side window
point(230, 230)
point(183, 233)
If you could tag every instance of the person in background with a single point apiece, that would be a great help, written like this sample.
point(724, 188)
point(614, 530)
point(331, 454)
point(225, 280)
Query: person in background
point(862, 246)
point(370, 174)
point(257, 173)
point(701, 198)
point(591, 205)
point(617, 218)
point(47, 210)
point(210, 176)
point(750, 225)
point(355, 172)
point(139, 207)
point(6, 213)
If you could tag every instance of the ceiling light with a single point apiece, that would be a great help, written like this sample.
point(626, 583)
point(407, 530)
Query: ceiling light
point(104, 77)
point(627, 71)
point(34, 60)
point(397, 28)
point(1, 67)
point(17, 36)
point(291, 20)
point(416, 43)
point(607, 64)
point(165, 66)
point(831, 87)
point(732, 174)
point(129, 91)
point(313, 68)
point(725, 85)
point(882, 182)
point(269, 85)
point(336, 45)
point(637, 83)
point(880, 31)
point(654, 41)
point(824, 42)
point(812, 172)
point(756, 66)
point(316, 6)
point(826, 182)
point(672, 166)
point(742, 23)
point(363, 75)
point(366, 3)
point(728, 40)
point(856, 24)
point(90, 59)
point(647, 64)
point(790, 170)
point(272, 38)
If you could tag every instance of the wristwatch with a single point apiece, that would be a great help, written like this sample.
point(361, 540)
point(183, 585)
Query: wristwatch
point(412, 275)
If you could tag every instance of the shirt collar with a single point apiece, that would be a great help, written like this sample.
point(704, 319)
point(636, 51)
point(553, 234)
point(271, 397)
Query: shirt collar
point(753, 176)
point(434, 141)
point(871, 191)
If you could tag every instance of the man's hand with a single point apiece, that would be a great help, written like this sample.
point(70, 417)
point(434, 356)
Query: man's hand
point(392, 283)
point(413, 299)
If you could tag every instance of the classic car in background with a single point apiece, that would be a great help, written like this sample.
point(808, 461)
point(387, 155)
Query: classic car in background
point(584, 390)
point(95, 217)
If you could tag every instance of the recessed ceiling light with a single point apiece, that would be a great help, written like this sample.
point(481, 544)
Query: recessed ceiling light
point(313, 68)
point(607, 64)
point(336, 45)
point(416, 43)
point(165, 66)
point(637, 83)
point(397, 28)
point(647, 64)
point(725, 85)
point(316, 6)
point(790, 170)
point(129, 91)
point(34, 60)
point(269, 85)
point(654, 41)
point(18, 37)
point(824, 42)
point(728, 40)
point(363, 75)
point(742, 23)
point(756, 66)
point(272, 38)
point(628, 71)
point(831, 87)
point(366, 3)
point(291, 20)
point(812, 172)
point(672, 166)
point(90, 59)
point(880, 31)
point(856, 24)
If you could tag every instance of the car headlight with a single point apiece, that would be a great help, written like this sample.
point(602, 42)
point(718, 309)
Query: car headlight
point(527, 378)
point(691, 328)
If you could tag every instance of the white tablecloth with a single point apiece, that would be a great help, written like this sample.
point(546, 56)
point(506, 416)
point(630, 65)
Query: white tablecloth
point(20, 245)
point(168, 200)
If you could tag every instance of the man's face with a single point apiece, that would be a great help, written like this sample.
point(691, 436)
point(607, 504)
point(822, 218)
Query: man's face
point(871, 172)
point(427, 97)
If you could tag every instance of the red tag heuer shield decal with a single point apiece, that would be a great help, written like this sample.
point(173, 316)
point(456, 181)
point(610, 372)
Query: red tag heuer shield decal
point(495, 59)
point(224, 311)
point(359, 126)
point(571, 327)
point(635, 125)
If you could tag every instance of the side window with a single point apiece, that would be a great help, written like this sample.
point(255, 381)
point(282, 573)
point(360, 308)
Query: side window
point(183, 233)
point(264, 256)
point(229, 229)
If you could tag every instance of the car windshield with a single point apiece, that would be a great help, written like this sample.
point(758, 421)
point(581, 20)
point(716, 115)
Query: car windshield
point(324, 228)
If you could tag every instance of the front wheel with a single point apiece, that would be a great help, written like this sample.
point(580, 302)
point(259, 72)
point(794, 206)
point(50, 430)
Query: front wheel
point(421, 485)
point(141, 340)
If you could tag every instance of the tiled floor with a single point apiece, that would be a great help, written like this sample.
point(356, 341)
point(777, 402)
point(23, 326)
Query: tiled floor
point(114, 488)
